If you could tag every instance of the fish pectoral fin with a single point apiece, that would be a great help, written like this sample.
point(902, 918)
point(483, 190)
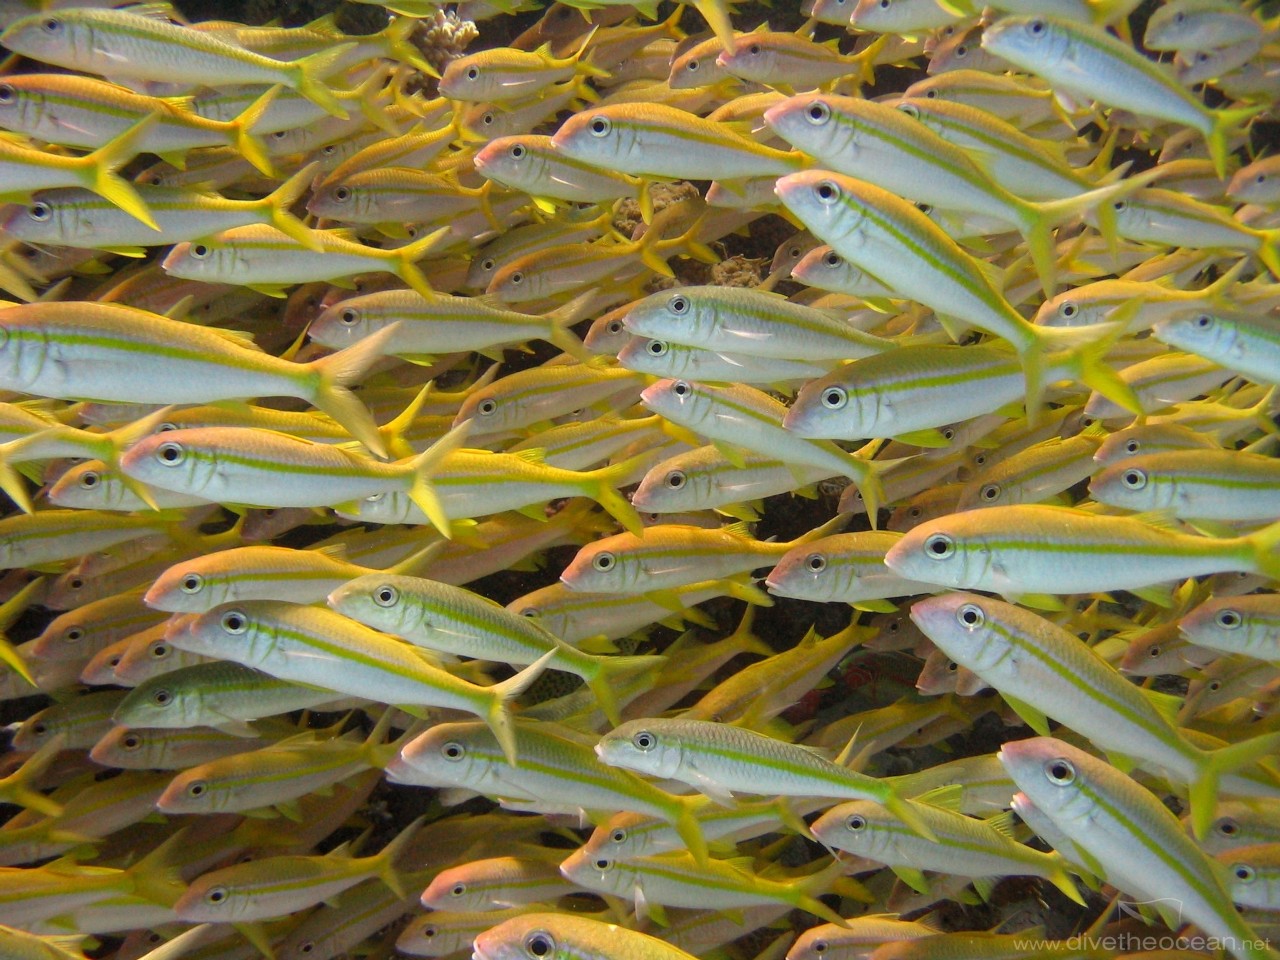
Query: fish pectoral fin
point(712, 789)
point(913, 877)
point(984, 886)
point(1033, 717)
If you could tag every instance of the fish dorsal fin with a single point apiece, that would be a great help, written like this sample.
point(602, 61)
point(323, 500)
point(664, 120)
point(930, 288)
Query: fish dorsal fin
point(239, 337)
point(532, 455)
point(1002, 823)
point(334, 551)
point(738, 529)
point(949, 796)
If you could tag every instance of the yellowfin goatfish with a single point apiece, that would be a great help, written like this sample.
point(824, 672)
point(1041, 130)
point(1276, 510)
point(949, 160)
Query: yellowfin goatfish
point(1130, 838)
point(1085, 60)
point(93, 350)
point(118, 43)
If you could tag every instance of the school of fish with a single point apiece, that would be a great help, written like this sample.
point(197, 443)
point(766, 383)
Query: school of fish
point(310, 338)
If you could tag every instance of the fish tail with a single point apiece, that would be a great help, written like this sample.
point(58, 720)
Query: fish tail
point(1266, 548)
point(98, 171)
point(498, 715)
point(398, 33)
point(716, 13)
point(335, 372)
point(158, 876)
point(11, 483)
point(16, 787)
point(278, 202)
point(394, 430)
point(250, 147)
point(606, 673)
point(869, 485)
point(406, 262)
point(308, 78)
point(1061, 879)
point(1203, 794)
point(1269, 251)
point(424, 464)
point(686, 824)
point(1224, 124)
point(811, 904)
point(386, 858)
point(600, 488)
point(10, 611)
point(11, 281)
point(1089, 359)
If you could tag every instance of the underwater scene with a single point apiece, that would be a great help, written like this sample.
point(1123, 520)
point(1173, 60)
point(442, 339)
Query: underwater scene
point(504, 480)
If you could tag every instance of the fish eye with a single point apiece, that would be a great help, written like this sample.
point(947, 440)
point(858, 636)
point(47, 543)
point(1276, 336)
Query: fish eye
point(487, 264)
point(615, 326)
point(1060, 771)
point(6, 93)
point(1154, 651)
point(1068, 310)
point(539, 944)
point(819, 946)
point(970, 615)
point(458, 889)
point(817, 113)
point(885, 4)
point(604, 562)
point(171, 454)
point(517, 151)
point(1228, 827)
point(216, 895)
point(827, 192)
point(73, 634)
point(1179, 17)
point(618, 836)
point(1215, 686)
point(349, 316)
point(676, 479)
point(910, 109)
point(939, 546)
point(160, 651)
point(833, 398)
point(197, 788)
point(679, 304)
point(1228, 619)
point(488, 118)
point(487, 407)
point(199, 251)
point(131, 741)
point(234, 622)
point(1132, 446)
point(952, 666)
point(915, 513)
point(89, 479)
point(1134, 479)
point(816, 562)
point(1243, 872)
point(833, 259)
point(162, 698)
point(428, 931)
point(386, 595)
point(931, 94)
point(691, 65)
point(191, 583)
point(306, 946)
point(1036, 27)
point(51, 25)
point(600, 126)
point(453, 750)
point(856, 822)
point(602, 864)
point(991, 492)
point(517, 277)
point(657, 348)
point(1260, 178)
point(342, 194)
point(39, 728)
point(681, 388)
point(1203, 322)
point(1120, 206)
point(962, 51)
point(39, 211)
point(645, 741)
point(754, 49)
point(473, 73)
